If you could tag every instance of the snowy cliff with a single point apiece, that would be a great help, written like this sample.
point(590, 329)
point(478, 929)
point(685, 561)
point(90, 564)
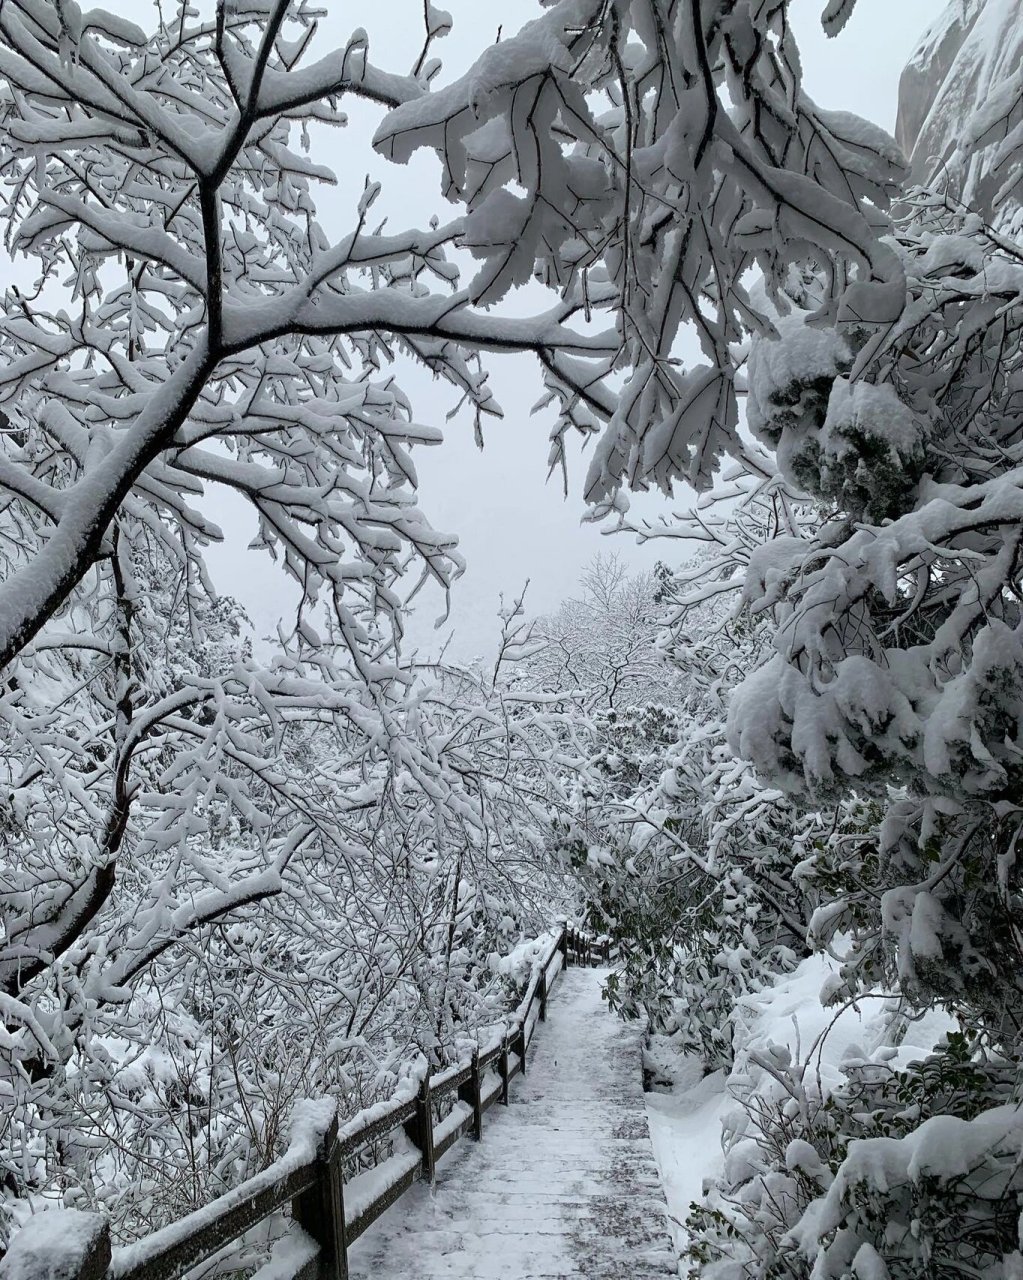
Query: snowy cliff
point(969, 60)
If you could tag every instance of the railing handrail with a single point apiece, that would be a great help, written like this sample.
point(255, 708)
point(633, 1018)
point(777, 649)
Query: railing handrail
point(310, 1173)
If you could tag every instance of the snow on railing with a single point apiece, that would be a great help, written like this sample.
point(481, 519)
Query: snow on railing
point(327, 1213)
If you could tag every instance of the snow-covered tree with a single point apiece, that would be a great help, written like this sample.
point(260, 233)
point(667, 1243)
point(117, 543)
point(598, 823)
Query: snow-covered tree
point(366, 944)
point(212, 306)
point(896, 646)
point(895, 676)
point(599, 646)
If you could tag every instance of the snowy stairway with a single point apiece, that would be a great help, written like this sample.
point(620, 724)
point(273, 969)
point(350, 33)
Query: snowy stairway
point(563, 1183)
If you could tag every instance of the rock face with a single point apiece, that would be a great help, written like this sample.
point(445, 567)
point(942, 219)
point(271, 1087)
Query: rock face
point(965, 61)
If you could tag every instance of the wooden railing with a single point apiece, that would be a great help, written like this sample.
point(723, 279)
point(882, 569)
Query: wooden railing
point(328, 1213)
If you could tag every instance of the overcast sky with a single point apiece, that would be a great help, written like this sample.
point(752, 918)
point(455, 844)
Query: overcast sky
point(512, 525)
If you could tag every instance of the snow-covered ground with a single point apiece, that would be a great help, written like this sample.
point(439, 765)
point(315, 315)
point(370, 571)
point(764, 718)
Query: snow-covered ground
point(685, 1130)
point(687, 1110)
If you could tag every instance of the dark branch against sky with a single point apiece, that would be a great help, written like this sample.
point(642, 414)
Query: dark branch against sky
point(512, 524)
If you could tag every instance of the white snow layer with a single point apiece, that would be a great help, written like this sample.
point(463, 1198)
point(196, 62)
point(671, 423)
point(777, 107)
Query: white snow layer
point(55, 1248)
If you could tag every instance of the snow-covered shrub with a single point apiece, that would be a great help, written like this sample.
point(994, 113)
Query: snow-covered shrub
point(689, 861)
point(690, 865)
point(900, 1171)
point(713, 914)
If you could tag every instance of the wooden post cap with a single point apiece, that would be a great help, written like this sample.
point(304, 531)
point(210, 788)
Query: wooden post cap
point(59, 1244)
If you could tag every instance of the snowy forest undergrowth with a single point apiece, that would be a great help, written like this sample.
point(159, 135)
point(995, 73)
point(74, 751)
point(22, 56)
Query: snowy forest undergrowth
point(787, 768)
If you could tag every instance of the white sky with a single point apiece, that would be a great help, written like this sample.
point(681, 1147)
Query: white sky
point(511, 524)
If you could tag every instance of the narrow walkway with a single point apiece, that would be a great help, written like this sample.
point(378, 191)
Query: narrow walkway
point(563, 1183)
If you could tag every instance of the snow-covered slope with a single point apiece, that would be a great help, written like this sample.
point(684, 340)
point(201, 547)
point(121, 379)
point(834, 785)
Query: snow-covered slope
point(697, 1120)
point(970, 52)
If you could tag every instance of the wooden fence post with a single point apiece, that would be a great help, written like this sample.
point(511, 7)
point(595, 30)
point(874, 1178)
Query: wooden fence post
point(563, 945)
point(607, 950)
point(472, 1093)
point(320, 1211)
point(543, 995)
point(502, 1066)
point(64, 1243)
point(421, 1128)
point(521, 1039)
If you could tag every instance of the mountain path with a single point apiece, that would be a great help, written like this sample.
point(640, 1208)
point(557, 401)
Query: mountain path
point(564, 1181)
